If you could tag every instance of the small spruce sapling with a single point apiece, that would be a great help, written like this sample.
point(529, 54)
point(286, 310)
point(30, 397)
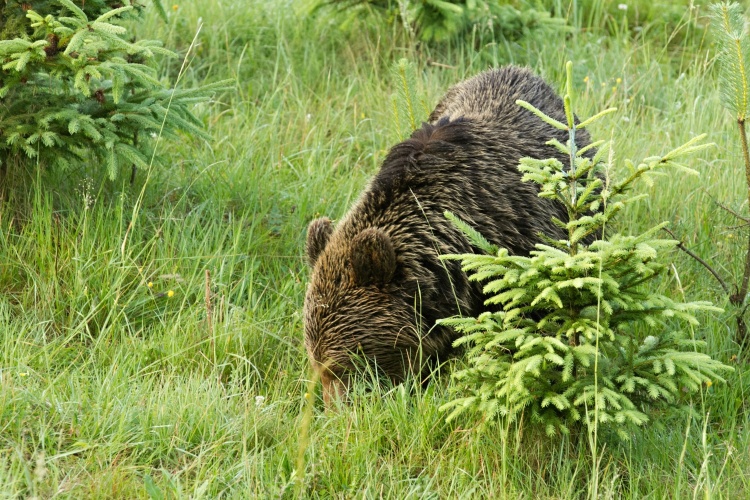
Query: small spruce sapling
point(77, 89)
point(578, 336)
point(730, 26)
point(407, 109)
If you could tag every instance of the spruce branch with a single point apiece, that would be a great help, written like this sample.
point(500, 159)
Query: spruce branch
point(596, 117)
point(475, 237)
point(541, 115)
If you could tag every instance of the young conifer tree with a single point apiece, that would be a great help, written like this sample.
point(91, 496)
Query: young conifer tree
point(406, 108)
point(730, 27)
point(579, 336)
point(77, 88)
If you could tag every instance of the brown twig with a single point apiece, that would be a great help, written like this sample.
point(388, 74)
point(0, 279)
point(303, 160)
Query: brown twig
point(705, 264)
point(739, 298)
point(741, 217)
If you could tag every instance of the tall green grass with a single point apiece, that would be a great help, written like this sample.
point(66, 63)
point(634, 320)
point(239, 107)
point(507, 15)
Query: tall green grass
point(113, 388)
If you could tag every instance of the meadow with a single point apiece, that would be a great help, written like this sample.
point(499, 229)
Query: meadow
point(151, 334)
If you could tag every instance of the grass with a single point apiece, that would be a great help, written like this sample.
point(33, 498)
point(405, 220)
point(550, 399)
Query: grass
point(111, 386)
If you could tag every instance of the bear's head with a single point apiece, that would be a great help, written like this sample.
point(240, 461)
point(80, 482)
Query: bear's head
point(358, 312)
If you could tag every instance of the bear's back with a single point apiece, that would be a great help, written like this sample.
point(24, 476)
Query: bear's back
point(490, 98)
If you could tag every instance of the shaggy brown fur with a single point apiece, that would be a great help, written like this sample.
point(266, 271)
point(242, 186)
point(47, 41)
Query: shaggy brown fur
point(377, 285)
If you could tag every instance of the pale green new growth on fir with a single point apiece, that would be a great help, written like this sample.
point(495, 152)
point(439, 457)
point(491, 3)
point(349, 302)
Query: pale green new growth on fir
point(476, 238)
point(578, 336)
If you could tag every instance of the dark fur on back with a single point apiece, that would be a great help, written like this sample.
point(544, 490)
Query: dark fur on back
point(378, 285)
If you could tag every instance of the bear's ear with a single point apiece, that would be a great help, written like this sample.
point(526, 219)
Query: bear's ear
point(373, 258)
point(318, 233)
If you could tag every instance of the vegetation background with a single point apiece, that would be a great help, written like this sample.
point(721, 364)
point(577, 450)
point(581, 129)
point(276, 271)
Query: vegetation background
point(150, 335)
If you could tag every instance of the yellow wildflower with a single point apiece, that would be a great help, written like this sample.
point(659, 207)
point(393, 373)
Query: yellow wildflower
point(170, 294)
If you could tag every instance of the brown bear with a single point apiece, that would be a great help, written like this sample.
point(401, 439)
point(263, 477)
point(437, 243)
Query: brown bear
point(378, 285)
